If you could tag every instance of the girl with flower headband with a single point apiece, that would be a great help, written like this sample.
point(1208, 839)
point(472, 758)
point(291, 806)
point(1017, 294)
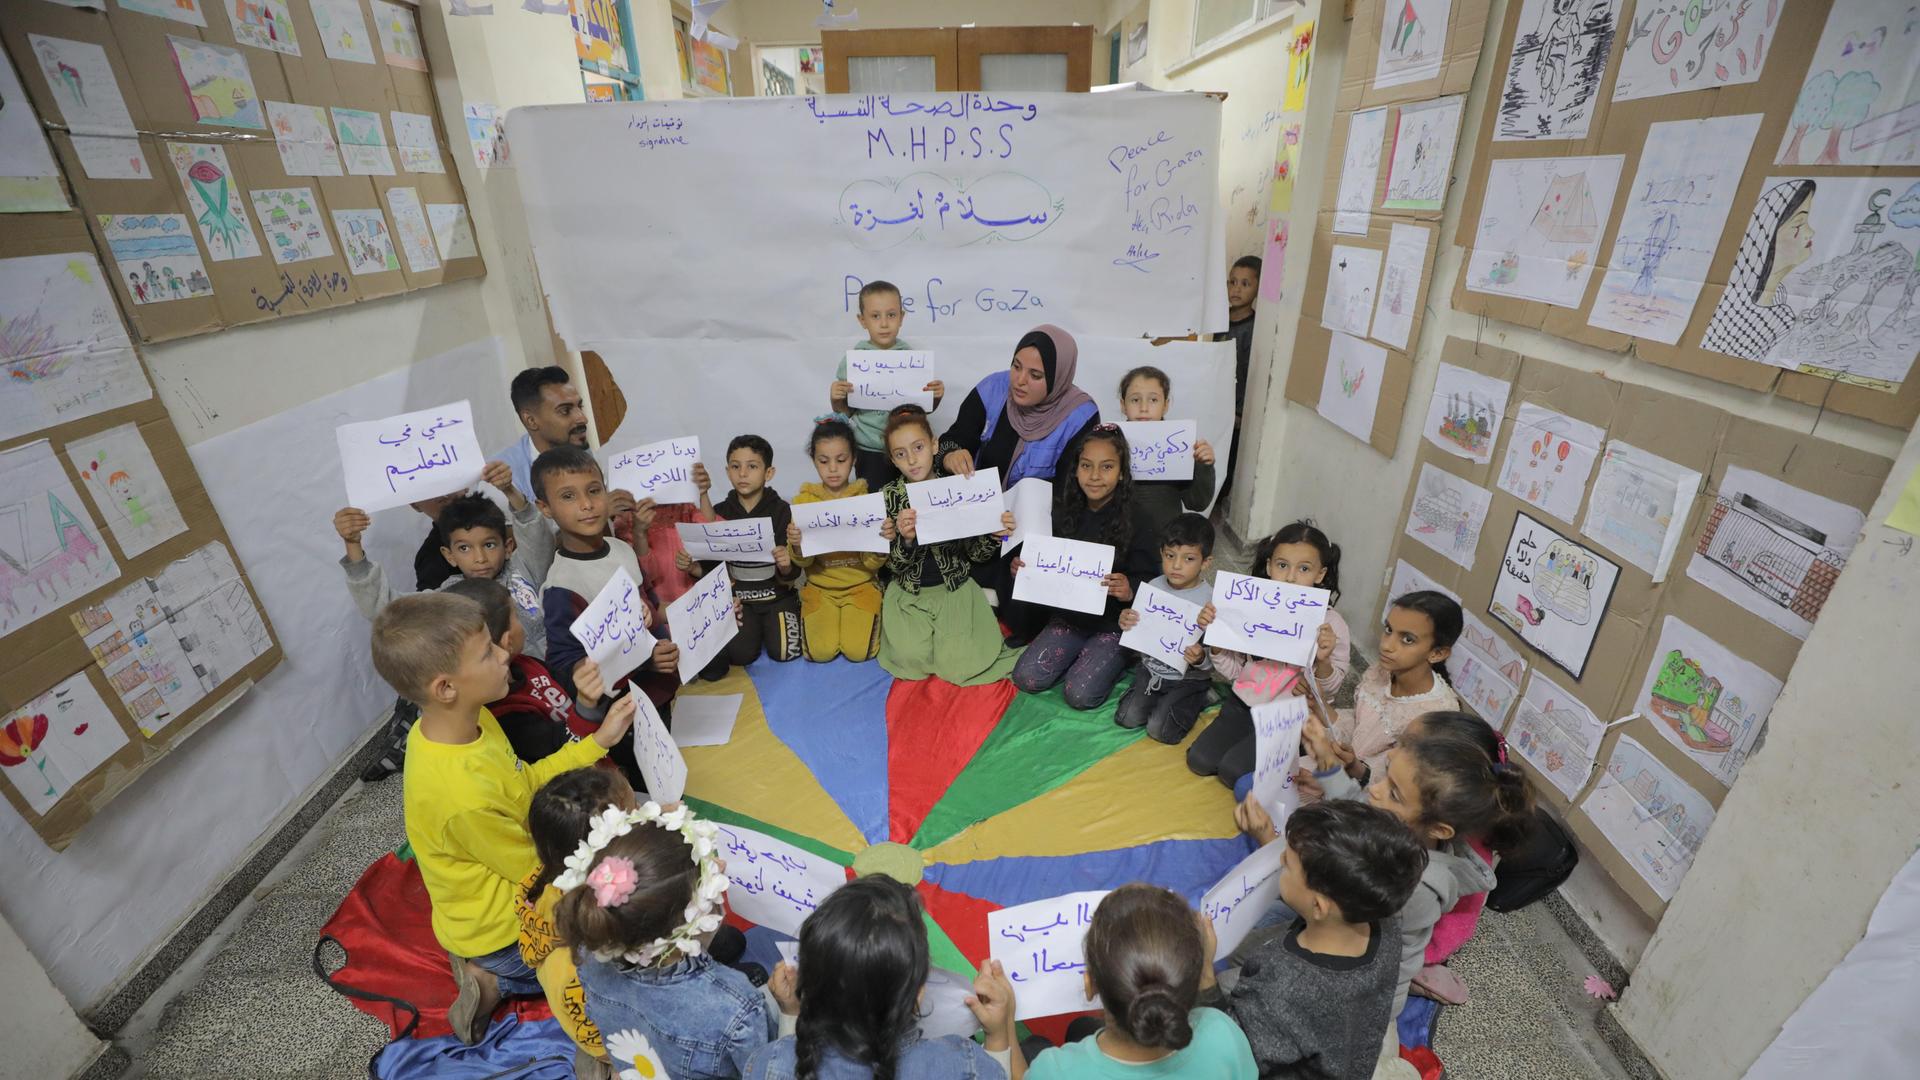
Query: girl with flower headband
point(641, 904)
point(840, 601)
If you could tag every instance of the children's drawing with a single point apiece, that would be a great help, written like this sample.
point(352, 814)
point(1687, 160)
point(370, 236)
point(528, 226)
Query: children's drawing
point(1774, 549)
point(156, 256)
point(1559, 55)
point(399, 37)
point(57, 740)
point(1675, 213)
point(126, 485)
point(1422, 159)
point(1447, 514)
point(1540, 226)
point(64, 353)
point(1350, 387)
point(1463, 417)
point(218, 83)
point(452, 232)
point(263, 24)
point(291, 219)
point(1299, 48)
point(1825, 280)
point(1359, 171)
point(1860, 103)
point(1556, 734)
point(214, 199)
point(1705, 700)
point(363, 142)
point(1549, 459)
point(186, 11)
point(343, 30)
point(419, 148)
point(1482, 686)
point(487, 136)
point(1353, 276)
point(365, 242)
point(1400, 295)
point(1482, 638)
point(1639, 507)
point(29, 176)
point(51, 551)
point(304, 140)
point(1553, 592)
point(1674, 46)
point(1409, 578)
point(89, 100)
point(410, 225)
point(1413, 39)
point(1650, 815)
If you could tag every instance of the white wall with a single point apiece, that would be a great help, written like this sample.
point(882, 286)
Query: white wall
point(790, 22)
point(44, 1039)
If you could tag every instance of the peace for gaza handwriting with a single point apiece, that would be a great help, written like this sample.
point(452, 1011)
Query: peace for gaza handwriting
point(1171, 214)
point(935, 305)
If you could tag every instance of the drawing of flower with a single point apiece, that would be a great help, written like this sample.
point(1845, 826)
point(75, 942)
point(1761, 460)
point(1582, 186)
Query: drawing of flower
point(631, 1046)
point(19, 738)
point(211, 182)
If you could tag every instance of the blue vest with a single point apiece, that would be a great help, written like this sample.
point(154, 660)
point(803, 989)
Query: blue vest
point(1042, 455)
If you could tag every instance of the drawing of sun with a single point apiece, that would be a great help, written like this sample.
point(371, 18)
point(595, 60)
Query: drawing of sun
point(634, 1056)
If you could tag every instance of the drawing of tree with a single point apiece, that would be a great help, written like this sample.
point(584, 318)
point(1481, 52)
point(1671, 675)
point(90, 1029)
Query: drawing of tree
point(1811, 110)
point(1852, 101)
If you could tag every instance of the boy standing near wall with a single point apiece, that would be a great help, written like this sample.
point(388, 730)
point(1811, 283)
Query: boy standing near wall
point(1243, 285)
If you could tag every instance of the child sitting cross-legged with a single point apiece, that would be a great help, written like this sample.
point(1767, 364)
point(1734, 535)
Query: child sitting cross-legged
point(1316, 1002)
point(1163, 700)
point(466, 794)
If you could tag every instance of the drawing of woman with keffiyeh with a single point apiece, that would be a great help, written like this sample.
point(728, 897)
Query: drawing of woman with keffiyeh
point(1753, 312)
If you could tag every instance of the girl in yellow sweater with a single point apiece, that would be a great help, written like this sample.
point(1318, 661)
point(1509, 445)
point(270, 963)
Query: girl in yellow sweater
point(840, 602)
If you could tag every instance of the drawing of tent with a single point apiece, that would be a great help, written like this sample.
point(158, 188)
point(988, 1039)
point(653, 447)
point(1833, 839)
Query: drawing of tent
point(1566, 215)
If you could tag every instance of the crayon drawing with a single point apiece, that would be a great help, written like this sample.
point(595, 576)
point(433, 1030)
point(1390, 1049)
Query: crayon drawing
point(1413, 40)
point(452, 232)
point(1422, 160)
point(1552, 592)
point(1650, 815)
point(363, 142)
point(305, 142)
point(1485, 640)
point(399, 37)
point(64, 353)
point(1639, 507)
point(1774, 549)
point(343, 30)
point(51, 551)
point(1463, 417)
point(365, 241)
point(1676, 210)
point(1549, 459)
point(1482, 685)
point(1705, 700)
point(156, 256)
point(57, 740)
point(1353, 275)
point(1673, 46)
point(215, 200)
point(186, 11)
point(1825, 280)
point(1860, 103)
point(1359, 171)
point(218, 83)
point(1350, 386)
point(263, 24)
point(1540, 227)
point(410, 225)
point(1556, 734)
point(127, 486)
point(291, 219)
point(1553, 76)
point(487, 136)
point(1400, 294)
point(1447, 514)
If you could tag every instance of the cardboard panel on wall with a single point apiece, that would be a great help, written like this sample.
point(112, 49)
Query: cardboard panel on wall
point(1452, 65)
point(1620, 129)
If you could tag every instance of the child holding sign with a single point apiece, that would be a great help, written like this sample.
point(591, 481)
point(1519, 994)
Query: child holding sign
point(840, 602)
point(1145, 394)
point(536, 715)
point(880, 316)
point(1299, 554)
point(1095, 507)
point(764, 590)
point(934, 618)
point(1409, 679)
point(1165, 700)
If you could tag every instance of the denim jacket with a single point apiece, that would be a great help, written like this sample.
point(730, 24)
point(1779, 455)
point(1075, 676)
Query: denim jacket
point(703, 1019)
point(949, 1057)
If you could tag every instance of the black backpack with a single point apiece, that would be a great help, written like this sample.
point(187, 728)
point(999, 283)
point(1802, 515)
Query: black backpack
point(1544, 859)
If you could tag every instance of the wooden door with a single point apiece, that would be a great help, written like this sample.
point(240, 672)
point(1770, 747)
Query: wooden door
point(896, 61)
point(1019, 58)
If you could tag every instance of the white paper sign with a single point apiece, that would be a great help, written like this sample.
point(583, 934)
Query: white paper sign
point(1167, 626)
point(889, 378)
point(1069, 574)
point(613, 628)
point(701, 622)
point(1266, 618)
point(1238, 900)
point(1276, 733)
point(842, 525)
point(705, 719)
point(952, 507)
point(410, 457)
point(662, 765)
point(1031, 501)
point(661, 471)
point(773, 883)
point(748, 540)
point(1042, 947)
point(1161, 449)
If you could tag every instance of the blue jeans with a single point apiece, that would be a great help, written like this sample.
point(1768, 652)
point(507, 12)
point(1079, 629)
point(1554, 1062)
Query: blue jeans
point(516, 978)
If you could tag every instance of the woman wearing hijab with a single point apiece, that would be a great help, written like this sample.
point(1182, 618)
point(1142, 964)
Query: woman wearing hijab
point(1020, 421)
point(1753, 312)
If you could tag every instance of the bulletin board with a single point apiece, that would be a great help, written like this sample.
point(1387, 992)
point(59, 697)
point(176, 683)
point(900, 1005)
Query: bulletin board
point(1691, 661)
point(1593, 192)
point(303, 169)
point(1365, 276)
point(126, 621)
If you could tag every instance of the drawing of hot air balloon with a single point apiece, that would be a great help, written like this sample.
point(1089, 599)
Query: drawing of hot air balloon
point(19, 738)
point(210, 181)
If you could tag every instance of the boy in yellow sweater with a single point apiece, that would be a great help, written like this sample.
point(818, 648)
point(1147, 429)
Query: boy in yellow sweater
point(466, 794)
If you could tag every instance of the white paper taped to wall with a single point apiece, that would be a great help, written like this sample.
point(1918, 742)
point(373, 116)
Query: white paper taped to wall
point(992, 213)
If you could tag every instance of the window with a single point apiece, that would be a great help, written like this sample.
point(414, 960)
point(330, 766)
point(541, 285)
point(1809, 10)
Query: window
point(1215, 21)
point(609, 67)
point(705, 69)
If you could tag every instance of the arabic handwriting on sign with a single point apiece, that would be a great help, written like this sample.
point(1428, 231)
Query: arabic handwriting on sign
point(428, 432)
point(956, 107)
point(446, 455)
point(1253, 628)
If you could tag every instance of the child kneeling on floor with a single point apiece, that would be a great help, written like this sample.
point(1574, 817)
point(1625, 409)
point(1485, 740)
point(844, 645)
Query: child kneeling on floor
point(466, 794)
point(840, 602)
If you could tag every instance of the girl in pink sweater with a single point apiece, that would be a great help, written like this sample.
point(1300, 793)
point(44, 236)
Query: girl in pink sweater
point(1299, 554)
point(1409, 679)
